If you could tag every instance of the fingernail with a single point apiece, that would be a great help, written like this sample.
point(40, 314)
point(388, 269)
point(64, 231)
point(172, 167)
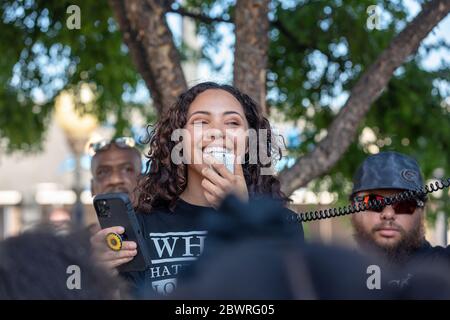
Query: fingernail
point(121, 230)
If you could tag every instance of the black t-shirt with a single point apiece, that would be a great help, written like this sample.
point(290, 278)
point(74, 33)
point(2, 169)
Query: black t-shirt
point(429, 253)
point(428, 273)
point(175, 239)
point(425, 258)
point(424, 265)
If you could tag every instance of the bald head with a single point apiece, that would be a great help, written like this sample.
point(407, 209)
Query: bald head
point(115, 170)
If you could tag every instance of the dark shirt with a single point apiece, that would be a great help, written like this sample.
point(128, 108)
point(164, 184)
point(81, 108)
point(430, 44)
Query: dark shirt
point(175, 239)
point(429, 253)
point(426, 264)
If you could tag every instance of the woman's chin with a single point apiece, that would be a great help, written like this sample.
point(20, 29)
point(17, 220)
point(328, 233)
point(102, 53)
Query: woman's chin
point(196, 168)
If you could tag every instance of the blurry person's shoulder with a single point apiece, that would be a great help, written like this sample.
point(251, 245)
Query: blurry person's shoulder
point(442, 252)
point(428, 252)
point(293, 222)
point(45, 255)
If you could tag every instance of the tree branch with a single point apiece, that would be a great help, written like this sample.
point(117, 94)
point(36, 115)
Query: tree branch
point(251, 48)
point(290, 35)
point(199, 16)
point(278, 24)
point(149, 39)
point(369, 87)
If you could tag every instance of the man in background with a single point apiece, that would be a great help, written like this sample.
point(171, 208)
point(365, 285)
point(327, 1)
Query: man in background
point(115, 167)
point(395, 233)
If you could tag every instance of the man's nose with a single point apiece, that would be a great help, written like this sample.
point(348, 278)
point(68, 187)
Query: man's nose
point(116, 177)
point(388, 213)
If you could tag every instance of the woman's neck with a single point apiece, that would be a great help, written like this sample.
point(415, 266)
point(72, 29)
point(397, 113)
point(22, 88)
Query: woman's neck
point(193, 193)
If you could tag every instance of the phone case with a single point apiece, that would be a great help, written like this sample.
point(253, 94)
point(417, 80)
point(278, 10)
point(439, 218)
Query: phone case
point(115, 209)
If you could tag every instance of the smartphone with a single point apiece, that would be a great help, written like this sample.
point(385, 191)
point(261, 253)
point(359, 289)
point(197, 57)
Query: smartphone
point(226, 158)
point(115, 209)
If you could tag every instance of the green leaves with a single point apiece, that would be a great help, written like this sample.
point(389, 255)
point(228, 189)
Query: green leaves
point(39, 51)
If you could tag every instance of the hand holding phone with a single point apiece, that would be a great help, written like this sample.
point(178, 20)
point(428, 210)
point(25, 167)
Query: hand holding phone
point(120, 243)
point(108, 258)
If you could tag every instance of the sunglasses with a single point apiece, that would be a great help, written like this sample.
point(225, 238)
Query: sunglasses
point(121, 142)
point(377, 204)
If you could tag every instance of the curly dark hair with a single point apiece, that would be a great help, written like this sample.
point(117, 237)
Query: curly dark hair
point(164, 181)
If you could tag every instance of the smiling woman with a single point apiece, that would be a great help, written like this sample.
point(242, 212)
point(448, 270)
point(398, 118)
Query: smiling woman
point(175, 196)
point(214, 116)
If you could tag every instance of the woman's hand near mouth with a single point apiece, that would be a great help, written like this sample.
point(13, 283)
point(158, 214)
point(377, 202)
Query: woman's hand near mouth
point(218, 182)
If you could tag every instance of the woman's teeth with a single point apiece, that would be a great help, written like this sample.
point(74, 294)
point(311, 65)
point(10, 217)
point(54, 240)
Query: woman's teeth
point(222, 155)
point(215, 149)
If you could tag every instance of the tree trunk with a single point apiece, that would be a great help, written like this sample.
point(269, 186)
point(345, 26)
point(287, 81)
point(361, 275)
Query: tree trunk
point(369, 87)
point(149, 39)
point(251, 48)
